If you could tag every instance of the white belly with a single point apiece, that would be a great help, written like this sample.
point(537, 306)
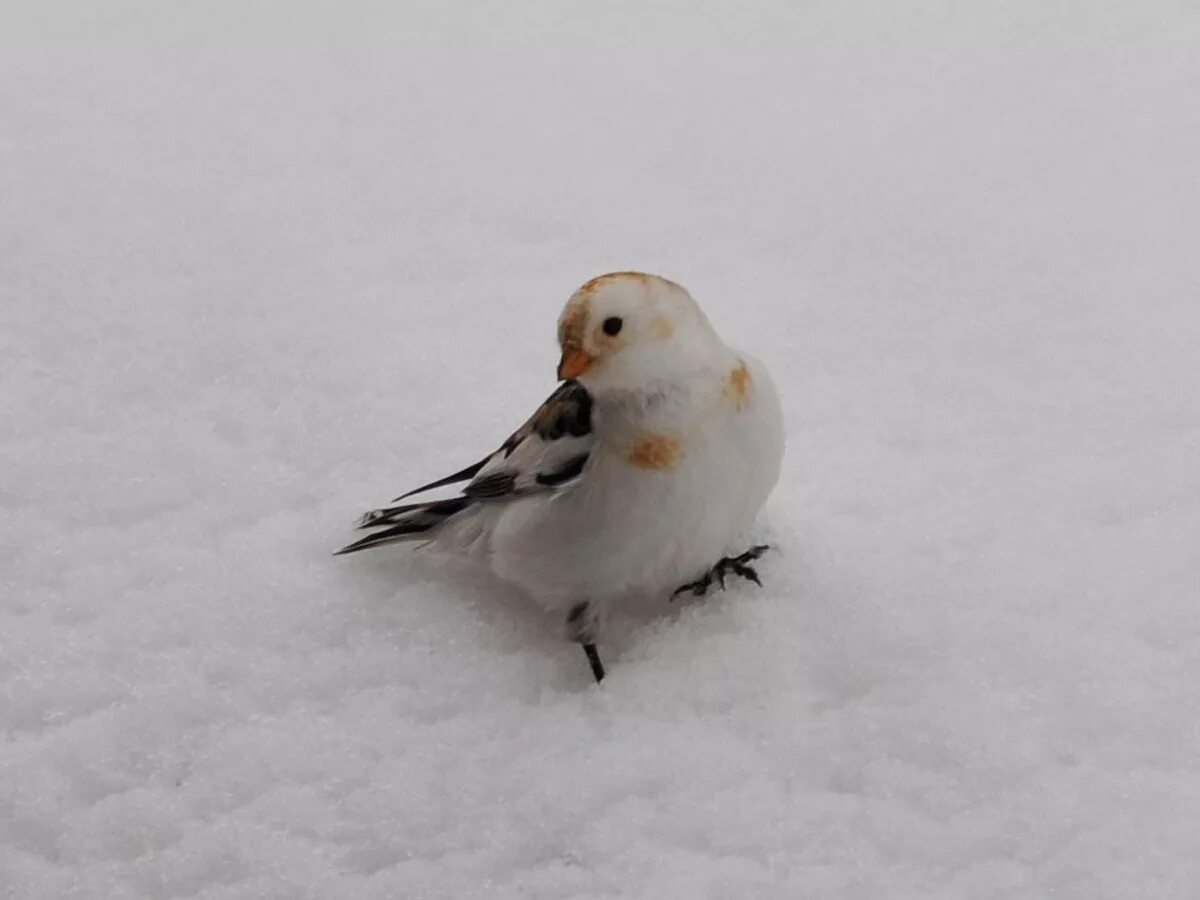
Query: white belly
point(628, 531)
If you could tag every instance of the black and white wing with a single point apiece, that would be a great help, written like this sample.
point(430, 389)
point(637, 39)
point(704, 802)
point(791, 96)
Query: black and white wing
point(547, 453)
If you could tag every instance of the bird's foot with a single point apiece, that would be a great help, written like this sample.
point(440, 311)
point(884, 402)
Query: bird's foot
point(738, 565)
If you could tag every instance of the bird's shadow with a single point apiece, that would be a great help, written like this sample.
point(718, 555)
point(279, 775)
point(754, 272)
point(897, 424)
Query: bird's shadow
point(509, 622)
point(503, 611)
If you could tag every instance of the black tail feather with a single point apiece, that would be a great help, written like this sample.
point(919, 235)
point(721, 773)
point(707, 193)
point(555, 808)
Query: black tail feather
point(400, 523)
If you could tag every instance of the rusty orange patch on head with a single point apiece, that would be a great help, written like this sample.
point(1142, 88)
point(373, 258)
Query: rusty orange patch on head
point(663, 329)
point(738, 385)
point(656, 451)
point(599, 281)
point(573, 322)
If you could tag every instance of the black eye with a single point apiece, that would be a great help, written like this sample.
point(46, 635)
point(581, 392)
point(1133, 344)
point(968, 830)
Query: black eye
point(612, 325)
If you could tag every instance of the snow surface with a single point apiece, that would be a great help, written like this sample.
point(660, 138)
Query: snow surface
point(263, 265)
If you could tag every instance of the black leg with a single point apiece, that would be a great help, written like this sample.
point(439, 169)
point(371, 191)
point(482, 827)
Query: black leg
point(581, 628)
point(594, 662)
point(738, 565)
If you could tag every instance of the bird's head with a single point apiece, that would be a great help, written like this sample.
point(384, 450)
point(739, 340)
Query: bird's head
point(625, 330)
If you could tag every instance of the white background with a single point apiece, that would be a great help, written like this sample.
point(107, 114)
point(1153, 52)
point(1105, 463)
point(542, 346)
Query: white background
point(265, 264)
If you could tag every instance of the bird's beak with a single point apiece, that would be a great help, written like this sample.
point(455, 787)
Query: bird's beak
point(573, 363)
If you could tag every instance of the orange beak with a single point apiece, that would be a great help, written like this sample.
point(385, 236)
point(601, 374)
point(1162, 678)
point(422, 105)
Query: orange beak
point(573, 363)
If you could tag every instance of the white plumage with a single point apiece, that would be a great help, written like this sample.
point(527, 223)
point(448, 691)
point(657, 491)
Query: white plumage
point(635, 477)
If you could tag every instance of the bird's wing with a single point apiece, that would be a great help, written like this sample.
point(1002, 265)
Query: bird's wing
point(547, 453)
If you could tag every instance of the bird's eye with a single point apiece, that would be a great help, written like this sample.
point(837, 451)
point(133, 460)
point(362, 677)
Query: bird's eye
point(612, 325)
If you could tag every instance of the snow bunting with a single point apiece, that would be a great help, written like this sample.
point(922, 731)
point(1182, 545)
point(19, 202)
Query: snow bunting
point(635, 476)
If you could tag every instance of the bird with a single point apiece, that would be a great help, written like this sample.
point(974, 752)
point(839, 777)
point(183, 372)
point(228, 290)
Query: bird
point(633, 479)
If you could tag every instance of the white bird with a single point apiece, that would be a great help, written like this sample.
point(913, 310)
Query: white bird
point(637, 474)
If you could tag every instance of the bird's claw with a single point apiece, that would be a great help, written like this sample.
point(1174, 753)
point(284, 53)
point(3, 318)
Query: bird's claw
point(746, 572)
point(738, 565)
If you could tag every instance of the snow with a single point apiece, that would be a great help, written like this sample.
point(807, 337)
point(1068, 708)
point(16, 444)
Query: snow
point(263, 265)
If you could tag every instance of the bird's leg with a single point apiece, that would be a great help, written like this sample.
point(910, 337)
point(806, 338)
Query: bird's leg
point(738, 565)
point(581, 628)
point(594, 662)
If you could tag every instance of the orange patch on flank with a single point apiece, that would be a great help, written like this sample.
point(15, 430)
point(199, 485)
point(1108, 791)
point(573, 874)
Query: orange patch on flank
point(656, 451)
point(738, 385)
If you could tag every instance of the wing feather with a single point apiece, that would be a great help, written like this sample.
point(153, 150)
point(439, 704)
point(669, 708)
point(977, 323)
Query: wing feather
point(548, 453)
point(461, 475)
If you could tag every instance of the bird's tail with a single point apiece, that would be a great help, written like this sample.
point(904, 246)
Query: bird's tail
point(409, 522)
